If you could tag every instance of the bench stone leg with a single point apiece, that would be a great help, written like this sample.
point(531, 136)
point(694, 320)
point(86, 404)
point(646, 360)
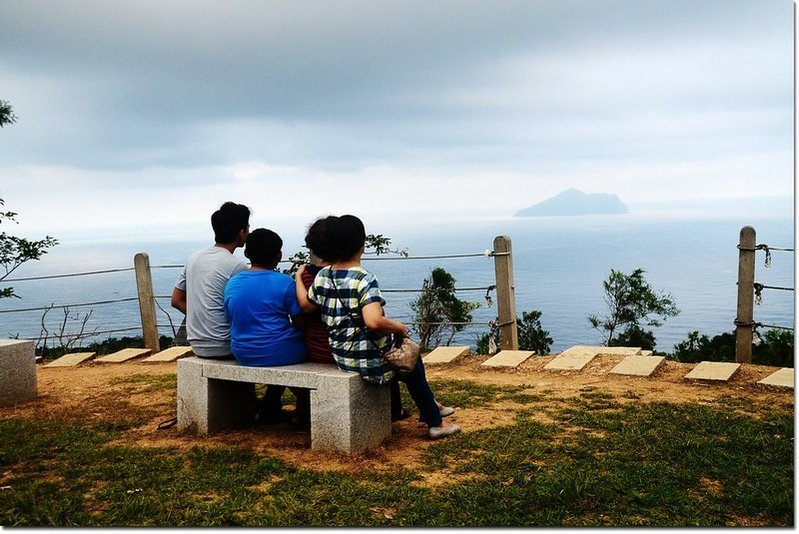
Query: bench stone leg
point(349, 415)
point(207, 405)
point(17, 371)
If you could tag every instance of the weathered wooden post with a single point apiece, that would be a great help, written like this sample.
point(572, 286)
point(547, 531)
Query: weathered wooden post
point(506, 298)
point(746, 281)
point(144, 285)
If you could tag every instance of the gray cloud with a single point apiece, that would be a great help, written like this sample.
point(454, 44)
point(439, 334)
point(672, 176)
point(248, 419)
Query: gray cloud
point(510, 85)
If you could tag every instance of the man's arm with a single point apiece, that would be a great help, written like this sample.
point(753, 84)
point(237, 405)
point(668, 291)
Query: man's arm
point(179, 299)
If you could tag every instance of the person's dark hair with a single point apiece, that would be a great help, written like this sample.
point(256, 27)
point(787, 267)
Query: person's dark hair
point(263, 247)
point(228, 221)
point(316, 239)
point(346, 235)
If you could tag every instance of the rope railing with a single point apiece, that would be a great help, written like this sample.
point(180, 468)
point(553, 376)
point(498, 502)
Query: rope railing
point(60, 335)
point(750, 293)
point(485, 254)
point(767, 248)
point(76, 305)
point(81, 335)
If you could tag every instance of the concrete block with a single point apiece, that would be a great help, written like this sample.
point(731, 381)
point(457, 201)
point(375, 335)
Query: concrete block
point(620, 351)
point(593, 350)
point(574, 361)
point(123, 355)
point(781, 379)
point(638, 365)
point(581, 350)
point(17, 371)
point(507, 358)
point(72, 359)
point(445, 355)
point(718, 371)
point(347, 413)
point(206, 406)
point(168, 355)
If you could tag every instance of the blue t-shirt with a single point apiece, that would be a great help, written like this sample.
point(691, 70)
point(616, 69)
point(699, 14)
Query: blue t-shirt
point(258, 305)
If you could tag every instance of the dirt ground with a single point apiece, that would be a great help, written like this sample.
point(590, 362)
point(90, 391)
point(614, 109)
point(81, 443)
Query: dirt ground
point(107, 392)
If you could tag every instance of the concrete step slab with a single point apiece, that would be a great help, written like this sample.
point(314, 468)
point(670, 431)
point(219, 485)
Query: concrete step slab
point(717, 371)
point(508, 358)
point(123, 355)
point(638, 365)
point(781, 379)
point(593, 350)
point(581, 350)
point(169, 355)
point(621, 351)
point(573, 361)
point(445, 354)
point(72, 359)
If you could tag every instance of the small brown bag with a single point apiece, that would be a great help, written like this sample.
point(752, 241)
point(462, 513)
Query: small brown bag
point(403, 355)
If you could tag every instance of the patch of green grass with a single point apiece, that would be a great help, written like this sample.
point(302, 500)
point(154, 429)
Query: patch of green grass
point(466, 394)
point(142, 383)
point(631, 464)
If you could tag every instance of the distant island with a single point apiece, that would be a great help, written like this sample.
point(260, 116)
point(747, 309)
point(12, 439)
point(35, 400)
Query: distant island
point(575, 202)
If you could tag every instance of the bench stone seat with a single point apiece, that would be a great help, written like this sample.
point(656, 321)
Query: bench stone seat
point(348, 414)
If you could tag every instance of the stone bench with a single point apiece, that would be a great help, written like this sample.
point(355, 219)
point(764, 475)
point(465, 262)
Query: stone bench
point(348, 414)
point(17, 371)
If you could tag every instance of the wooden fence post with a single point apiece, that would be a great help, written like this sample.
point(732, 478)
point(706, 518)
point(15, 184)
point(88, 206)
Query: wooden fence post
point(506, 298)
point(746, 281)
point(144, 285)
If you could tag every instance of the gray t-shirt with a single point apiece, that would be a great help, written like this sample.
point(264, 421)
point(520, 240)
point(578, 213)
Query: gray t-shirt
point(203, 279)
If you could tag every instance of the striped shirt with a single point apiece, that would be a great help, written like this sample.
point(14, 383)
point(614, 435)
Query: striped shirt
point(340, 295)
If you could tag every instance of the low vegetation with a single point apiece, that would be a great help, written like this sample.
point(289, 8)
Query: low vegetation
point(589, 460)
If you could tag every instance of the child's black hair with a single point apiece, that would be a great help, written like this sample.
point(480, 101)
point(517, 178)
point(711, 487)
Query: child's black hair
point(346, 235)
point(263, 248)
point(317, 239)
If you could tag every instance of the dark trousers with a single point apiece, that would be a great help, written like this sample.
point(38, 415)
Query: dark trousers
point(271, 402)
point(420, 392)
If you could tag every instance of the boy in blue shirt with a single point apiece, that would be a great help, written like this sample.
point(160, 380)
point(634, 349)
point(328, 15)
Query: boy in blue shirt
point(261, 306)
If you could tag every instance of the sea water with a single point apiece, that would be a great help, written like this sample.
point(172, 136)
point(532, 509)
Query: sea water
point(559, 266)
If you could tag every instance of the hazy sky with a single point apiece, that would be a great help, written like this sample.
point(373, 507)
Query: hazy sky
point(137, 113)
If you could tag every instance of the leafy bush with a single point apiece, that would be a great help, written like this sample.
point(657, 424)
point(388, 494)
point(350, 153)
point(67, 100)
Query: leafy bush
point(632, 302)
point(634, 336)
point(438, 313)
point(531, 335)
point(776, 348)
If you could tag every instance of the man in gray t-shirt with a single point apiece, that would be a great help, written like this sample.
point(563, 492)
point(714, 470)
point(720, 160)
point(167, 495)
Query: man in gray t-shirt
point(199, 290)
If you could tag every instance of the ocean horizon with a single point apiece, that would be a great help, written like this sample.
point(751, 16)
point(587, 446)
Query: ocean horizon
point(559, 266)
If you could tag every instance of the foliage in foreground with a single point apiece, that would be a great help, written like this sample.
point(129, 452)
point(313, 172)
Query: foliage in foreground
point(531, 335)
point(598, 463)
point(775, 348)
point(14, 251)
point(632, 304)
point(438, 313)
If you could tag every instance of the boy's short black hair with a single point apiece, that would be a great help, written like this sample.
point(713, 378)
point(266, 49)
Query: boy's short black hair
point(317, 240)
point(263, 247)
point(228, 221)
point(346, 235)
